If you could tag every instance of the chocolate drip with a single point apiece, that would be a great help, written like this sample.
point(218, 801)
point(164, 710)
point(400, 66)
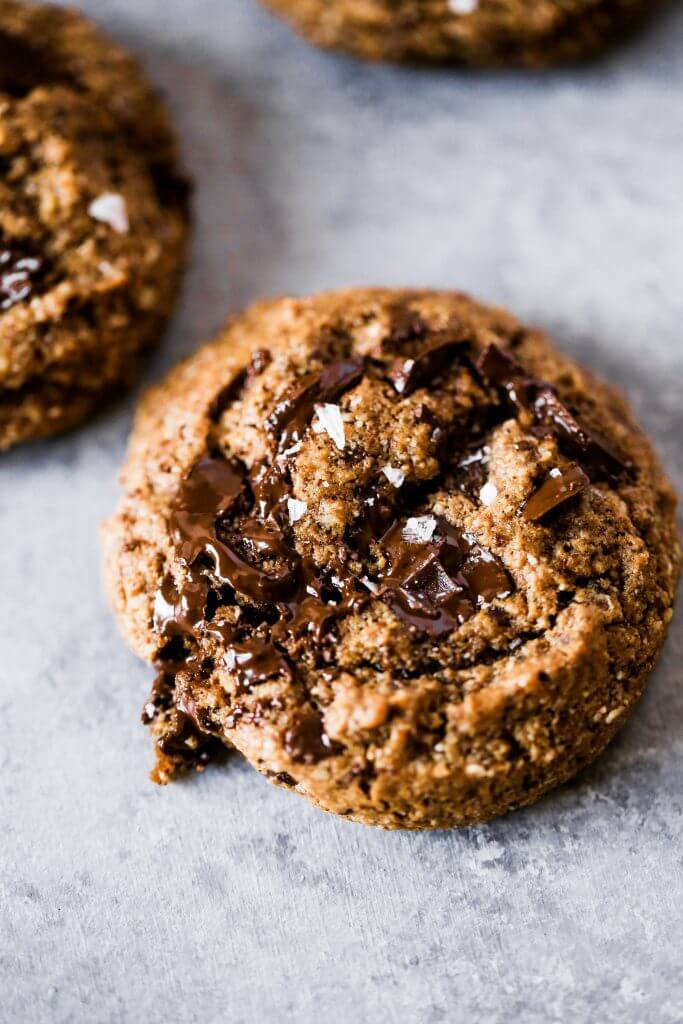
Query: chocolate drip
point(180, 738)
point(207, 494)
point(176, 613)
point(20, 271)
point(560, 486)
point(550, 416)
point(436, 584)
point(253, 661)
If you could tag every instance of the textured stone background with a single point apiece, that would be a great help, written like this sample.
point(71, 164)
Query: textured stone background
point(222, 898)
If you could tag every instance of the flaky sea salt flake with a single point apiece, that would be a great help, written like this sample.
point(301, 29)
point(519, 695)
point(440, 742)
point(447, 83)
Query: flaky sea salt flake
point(463, 6)
point(488, 494)
point(330, 420)
point(110, 208)
point(296, 509)
point(396, 477)
point(419, 529)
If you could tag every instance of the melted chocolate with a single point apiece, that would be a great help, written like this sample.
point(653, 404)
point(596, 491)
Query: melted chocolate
point(436, 584)
point(228, 523)
point(176, 613)
point(560, 486)
point(181, 738)
point(20, 271)
point(206, 496)
point(252, 661)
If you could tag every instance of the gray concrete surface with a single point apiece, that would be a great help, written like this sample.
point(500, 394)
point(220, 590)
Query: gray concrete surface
point(221, 898)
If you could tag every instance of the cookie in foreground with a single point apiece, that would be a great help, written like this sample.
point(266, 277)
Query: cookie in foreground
point(408, 558)
point(93, 219)
point(531, 33)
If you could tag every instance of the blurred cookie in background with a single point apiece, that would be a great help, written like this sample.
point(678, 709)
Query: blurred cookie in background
point(531, 33)
point(93, 220)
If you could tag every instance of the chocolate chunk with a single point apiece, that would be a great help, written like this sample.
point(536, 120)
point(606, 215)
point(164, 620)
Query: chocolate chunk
point(405, 324)
point(438, 577)
point(294, 410)
point(435, 356)
point(20, 271)
point(560, 486)
point(501, 370)
point(470, 468)
point(551, 417)
point(595, 452)
point(306, 741)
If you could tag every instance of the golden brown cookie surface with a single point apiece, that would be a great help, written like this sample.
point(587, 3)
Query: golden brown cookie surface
point(92, 221)
point(404, 555)
point(532, 33)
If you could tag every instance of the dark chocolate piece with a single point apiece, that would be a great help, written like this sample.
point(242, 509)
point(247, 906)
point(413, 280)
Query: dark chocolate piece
point(559, 487)
point(573, 437)
point(433, 357)
point(551, 417)
point(438, 577)
point(470, 469)
point(405, 325)
point(294, 410)
point(306, 741)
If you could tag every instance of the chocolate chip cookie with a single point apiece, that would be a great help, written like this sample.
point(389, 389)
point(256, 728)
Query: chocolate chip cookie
point(93, 220)
point(532, 33)
point(413, 562)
